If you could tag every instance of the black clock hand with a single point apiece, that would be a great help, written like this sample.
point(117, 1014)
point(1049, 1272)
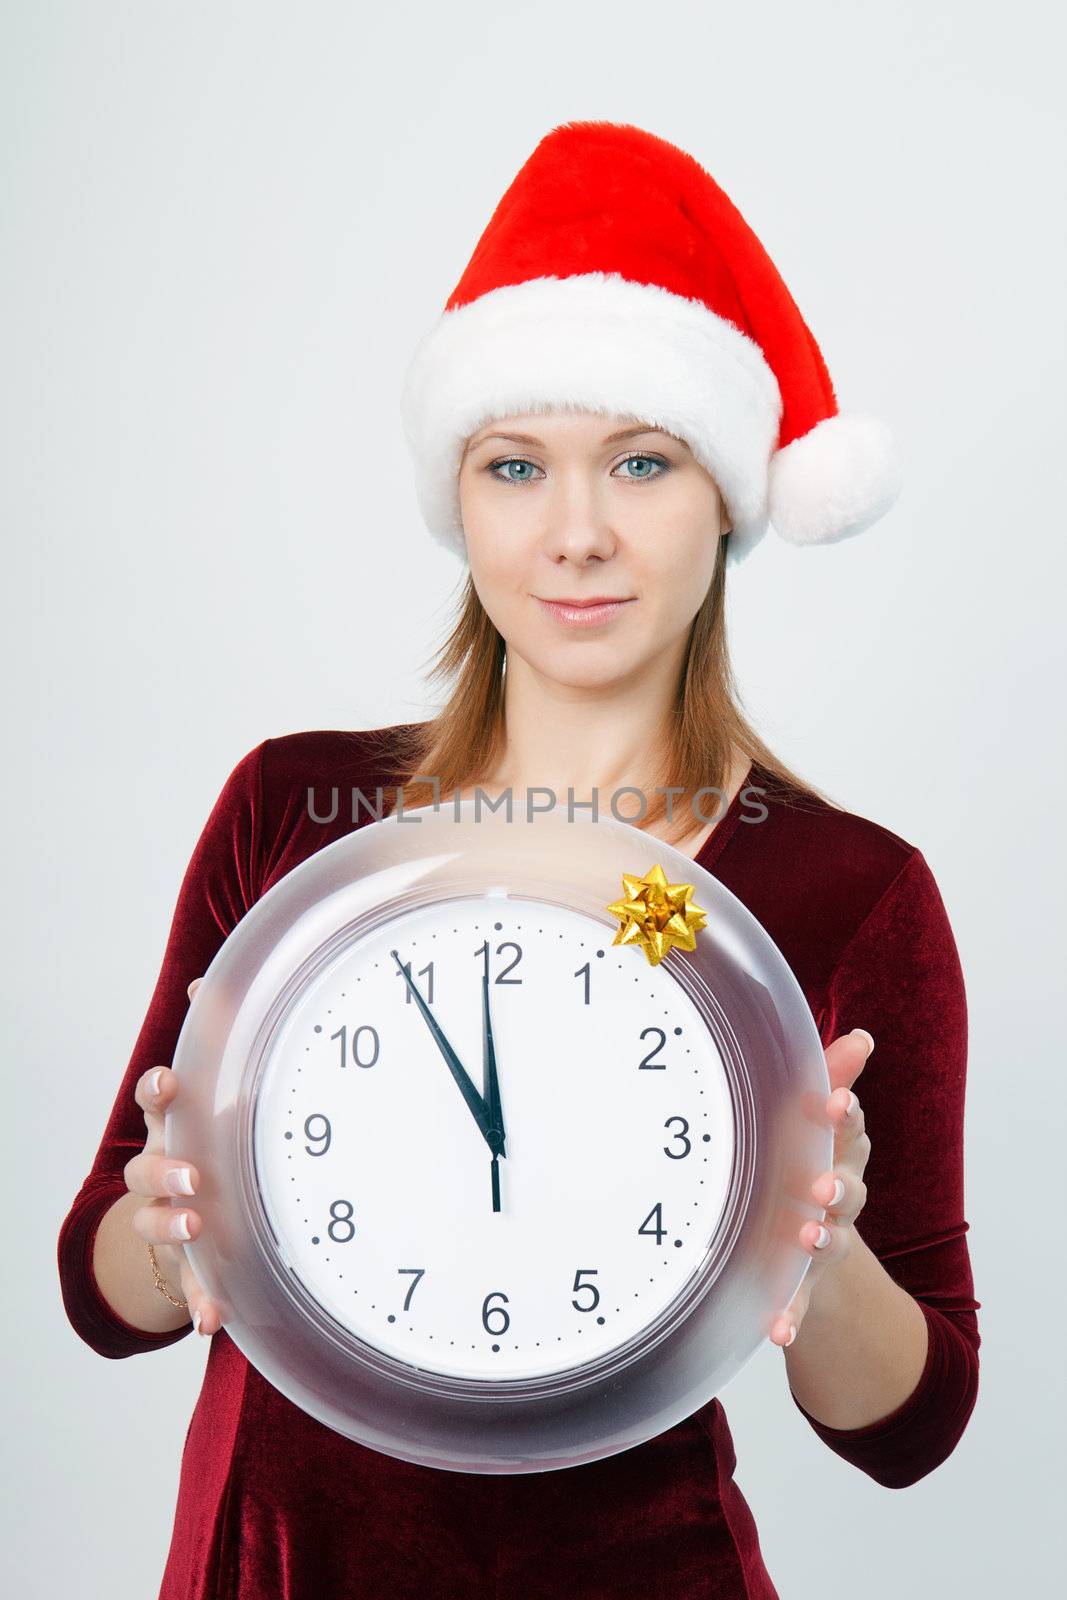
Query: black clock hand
point(492, 1083)
point(492, 1094)
point(475, 1103)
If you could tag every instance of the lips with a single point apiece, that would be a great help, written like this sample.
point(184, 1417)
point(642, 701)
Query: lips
point(586, 613)
point(594, 600)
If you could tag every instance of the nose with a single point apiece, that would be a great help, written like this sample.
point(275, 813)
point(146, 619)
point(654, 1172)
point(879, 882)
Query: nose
point(576, 526)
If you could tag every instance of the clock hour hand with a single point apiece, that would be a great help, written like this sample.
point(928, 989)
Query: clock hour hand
point(492, 1094)
point(475, 1103)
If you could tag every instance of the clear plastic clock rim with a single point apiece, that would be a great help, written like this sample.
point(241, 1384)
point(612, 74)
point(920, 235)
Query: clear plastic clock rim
point(695, 1344)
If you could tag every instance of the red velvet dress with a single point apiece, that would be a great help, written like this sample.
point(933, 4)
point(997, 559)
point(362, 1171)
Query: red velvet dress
point(274, 1504)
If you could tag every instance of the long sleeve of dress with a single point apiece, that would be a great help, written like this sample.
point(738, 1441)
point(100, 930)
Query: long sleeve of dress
point(219, 886)
point(899, 977)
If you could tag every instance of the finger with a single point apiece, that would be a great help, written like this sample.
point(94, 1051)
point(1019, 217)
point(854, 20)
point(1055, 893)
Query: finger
point(787, 1324)
point(849, 1123)
point(159, 1222)
point(154, 1093)
point(846, 1057)
point(826, 1241)
point(205, 1314)
point(841, 1193)
point(159, 1176)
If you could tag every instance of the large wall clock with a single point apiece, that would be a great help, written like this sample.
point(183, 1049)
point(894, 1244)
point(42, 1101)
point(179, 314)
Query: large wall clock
point(497, 1176)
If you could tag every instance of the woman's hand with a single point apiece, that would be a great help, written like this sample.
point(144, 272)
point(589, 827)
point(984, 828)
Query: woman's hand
point(842, 1192)
point(160, 1177)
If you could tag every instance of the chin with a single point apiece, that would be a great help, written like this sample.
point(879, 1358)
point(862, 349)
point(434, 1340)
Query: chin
point(591, 676)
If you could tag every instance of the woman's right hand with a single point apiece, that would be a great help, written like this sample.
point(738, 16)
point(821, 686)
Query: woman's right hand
point(159, 1177)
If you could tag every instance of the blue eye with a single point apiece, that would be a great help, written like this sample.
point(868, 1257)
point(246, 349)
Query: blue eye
point(655, 461)
point(512, 461)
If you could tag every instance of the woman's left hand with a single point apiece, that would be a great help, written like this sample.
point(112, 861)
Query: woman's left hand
point(841, 1192)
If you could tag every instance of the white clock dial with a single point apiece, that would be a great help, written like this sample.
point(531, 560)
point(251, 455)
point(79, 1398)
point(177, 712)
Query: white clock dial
point(377, 1181)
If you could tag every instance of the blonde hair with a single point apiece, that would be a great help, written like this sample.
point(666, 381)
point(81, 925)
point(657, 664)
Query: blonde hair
point(463, 744)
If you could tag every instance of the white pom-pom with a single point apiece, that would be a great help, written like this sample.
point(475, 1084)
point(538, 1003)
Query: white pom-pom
point(833, 481)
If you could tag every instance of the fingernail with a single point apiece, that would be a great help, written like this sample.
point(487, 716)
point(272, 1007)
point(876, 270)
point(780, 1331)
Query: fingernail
point(852, 1104)
point(865, 1035)
point(838, 1194)
point(792, 1335)
point(153, 1082)
point(179, 1180)
point(824, 1238)
point(196, 1321)
point(179, 1228)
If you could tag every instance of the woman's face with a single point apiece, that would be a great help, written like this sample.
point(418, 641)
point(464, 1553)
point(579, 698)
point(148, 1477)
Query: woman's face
point(580, 506)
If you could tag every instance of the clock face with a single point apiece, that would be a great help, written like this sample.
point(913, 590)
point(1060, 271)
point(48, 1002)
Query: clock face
point(378, 1182)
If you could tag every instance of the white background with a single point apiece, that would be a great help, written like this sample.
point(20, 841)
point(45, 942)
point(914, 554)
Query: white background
point(225, 228)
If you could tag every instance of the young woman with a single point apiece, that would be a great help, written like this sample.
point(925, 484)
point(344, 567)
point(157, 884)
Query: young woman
point(618, 399)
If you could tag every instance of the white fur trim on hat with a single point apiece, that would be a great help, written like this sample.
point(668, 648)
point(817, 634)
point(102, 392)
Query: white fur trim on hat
point(594, 342)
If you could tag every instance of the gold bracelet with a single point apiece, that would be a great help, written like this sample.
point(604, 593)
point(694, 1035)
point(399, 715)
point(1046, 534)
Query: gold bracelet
point(160, 1281)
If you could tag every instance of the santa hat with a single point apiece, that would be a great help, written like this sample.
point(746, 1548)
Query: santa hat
point(615, 276)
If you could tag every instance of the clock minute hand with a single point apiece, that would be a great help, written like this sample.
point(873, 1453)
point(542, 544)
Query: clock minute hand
point(492, 1096)
point(475, 1103)
point(492, 1082)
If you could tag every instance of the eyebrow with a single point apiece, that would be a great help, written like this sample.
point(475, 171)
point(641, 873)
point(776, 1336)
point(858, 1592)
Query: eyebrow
point(529, 438)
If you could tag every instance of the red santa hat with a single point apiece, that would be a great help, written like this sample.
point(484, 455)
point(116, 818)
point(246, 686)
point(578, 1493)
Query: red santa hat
point(615, 276)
